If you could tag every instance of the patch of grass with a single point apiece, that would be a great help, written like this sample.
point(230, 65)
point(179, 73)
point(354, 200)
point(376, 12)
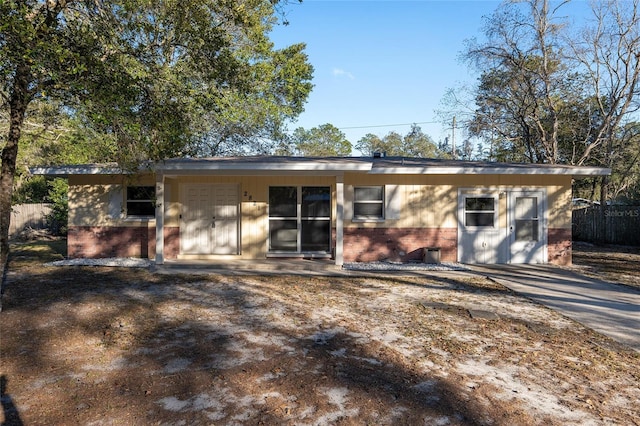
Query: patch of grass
point(38, 251)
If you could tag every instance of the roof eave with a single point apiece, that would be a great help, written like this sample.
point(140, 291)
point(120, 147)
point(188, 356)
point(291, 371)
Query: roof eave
point(435, 170)
point(266, 167)
point(317, 167)
point(63, 171)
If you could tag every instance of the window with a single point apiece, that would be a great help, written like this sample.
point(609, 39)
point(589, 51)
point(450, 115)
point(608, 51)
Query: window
point(141, 201)
point(283, 218)
point(479, 211)
point(299, 218)
point(315, 218)
point(368, 202)
point(526, 210)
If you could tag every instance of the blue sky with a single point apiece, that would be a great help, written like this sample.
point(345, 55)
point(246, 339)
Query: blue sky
point(379, 63)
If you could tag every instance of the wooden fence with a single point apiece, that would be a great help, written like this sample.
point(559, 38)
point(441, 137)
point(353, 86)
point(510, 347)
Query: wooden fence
point(621, 225)
point(28, 216)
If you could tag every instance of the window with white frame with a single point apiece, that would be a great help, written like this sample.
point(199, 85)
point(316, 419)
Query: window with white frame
point(141, 201)
point(299, 218)
point(368, 202)
point(479, 211)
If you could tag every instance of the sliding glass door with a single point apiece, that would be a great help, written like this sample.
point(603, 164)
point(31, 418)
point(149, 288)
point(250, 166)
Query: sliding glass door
point(299, 219)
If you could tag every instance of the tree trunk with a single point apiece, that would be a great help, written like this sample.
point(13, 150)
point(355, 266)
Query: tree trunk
point(18, 101)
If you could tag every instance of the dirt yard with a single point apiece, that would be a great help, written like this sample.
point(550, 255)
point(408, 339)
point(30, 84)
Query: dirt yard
point(117, 346)
point(619, 264)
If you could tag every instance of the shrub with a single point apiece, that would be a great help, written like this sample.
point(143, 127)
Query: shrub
point(58, 196)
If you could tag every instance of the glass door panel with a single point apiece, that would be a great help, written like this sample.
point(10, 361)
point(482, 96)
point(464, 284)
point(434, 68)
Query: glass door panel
point(526, 218)
point(527, 240)
point(316, 235)
point(300, 218)
point(283, 235)
point(316, 201)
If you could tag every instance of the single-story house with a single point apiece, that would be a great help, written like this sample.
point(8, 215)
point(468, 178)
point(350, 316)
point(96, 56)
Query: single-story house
point(350, 209)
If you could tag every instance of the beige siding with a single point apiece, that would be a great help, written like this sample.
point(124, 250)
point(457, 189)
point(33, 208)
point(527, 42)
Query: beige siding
point(559, 203)
point(91, 199)
point(426, 201)
point(172, 209)
point(432, 200)
point(254, 196)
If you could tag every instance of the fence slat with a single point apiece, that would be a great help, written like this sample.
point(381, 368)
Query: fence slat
point(28, 215)
point(620, 225)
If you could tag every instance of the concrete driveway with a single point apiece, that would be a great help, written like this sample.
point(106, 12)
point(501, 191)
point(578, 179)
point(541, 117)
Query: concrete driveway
point(610, 309)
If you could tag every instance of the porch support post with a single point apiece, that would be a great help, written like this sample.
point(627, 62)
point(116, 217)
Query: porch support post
point(339, 219)
point(159, 218)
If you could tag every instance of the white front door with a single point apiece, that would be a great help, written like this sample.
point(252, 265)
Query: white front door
point(527, 236)
point(209, 223)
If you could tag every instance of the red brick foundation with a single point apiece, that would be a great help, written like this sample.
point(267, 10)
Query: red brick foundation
point(120, 241)
point(360, 244)
point(559, 246)
point(398, 244)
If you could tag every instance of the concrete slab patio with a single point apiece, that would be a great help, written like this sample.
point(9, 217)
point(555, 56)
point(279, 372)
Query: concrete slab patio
point(610, 309)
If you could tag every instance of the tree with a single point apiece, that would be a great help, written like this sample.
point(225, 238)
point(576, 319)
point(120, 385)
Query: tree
point(417, 144)
point(520, 90)
point(552, 93)
point(323, 141)
point(247, 123)
point(414, 144)
point(148, 75)
point(609, 54)
point(51, 136)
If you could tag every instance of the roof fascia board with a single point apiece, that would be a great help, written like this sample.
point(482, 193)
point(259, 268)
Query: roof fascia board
point(435, 170)
point(178, 173)
point(263, 168)
point(75, 170)
point(316, 168)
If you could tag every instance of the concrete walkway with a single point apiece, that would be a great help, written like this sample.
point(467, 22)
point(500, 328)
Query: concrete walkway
point(610, 309)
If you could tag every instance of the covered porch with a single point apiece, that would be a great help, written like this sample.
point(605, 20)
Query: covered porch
point(251, 228)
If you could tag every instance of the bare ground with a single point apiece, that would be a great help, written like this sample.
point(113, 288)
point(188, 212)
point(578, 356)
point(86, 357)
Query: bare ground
point(97, 346)
point(619, 264)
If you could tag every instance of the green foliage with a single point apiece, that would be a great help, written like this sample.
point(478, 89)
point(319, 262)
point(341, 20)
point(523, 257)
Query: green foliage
point(145, 80)
point(33, 190)
point(211, 83)
point(253, 122)
point(58, 196)
point(323, 141)
point(39, 189)
point(151, 80)
point(414, 144)
point(53, 135)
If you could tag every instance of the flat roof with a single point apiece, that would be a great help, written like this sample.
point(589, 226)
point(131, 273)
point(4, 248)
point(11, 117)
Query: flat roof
point(271, 165)
point(403, 165)
point(78, 169)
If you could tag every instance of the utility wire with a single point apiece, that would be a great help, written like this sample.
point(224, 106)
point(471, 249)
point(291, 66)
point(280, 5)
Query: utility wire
point(387, 125)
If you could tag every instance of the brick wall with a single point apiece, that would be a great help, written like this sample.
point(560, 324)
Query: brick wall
point(114, 241)
point(398, 244)
point(559, 246)
point(360, 244)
